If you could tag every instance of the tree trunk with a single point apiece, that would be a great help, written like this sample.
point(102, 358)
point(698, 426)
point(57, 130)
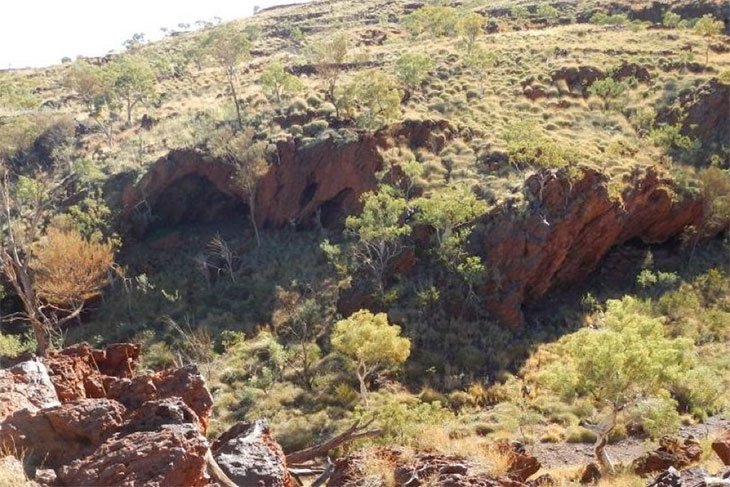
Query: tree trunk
point(363, 387)
point(252, 214)
point(42, 338)
point(232, 85)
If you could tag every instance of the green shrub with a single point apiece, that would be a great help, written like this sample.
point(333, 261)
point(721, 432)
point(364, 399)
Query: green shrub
point(579, 434)
point(315, 127)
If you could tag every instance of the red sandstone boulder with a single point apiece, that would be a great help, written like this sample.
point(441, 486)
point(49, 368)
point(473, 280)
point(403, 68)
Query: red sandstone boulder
point(248, 454)
point(671, 453)
point(78, 371)
point(110, 428)
point(26, 386)
point(185, 383)
point(59, 434)
point(172, 456)
point(721, 446)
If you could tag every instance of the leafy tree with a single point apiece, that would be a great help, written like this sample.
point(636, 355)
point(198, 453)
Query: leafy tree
point(328, 57)
point(278, 82)
point(53, 272)
point(671, 20)
point(95, 87)
point(379, 98)
point(526, 145)
point(437, 21)
point(607, 89)
point(229, 48)
point(371, 343)
point(69, 269)
point(134, 82)
point(547, 11)
point(626, 359)
point(412, 169)
point(379, 231)
point(519, 12)
point(412, 68)
point(471, 27)
point(135, 42)
point(248, 157)
point(88, 81)
point(449, 210)
point(709, 27)
point(479, 61)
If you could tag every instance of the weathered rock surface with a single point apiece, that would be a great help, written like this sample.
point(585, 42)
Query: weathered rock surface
point(435, 469)
point(59, 434)
point(704, 114)
point(569, 230)
point(172, 456)
point(672, 452)
point(110, 428)
point(721, 446)
point(79, 371)
point(26, 386)
point(327, 176)
point(249, 455)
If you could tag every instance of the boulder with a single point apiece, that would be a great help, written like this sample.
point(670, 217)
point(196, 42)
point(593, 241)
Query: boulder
point(185, 383)
point(249, 455)
point(672, 452)
point(78, 371)
point(721, 446)
point(522, 465)
point(172, 456)
point(26, 386)
point(591, 474)
point(59, 434)
point(110, 428)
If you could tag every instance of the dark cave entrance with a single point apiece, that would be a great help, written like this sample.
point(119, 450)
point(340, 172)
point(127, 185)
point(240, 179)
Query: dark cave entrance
point(192, 200)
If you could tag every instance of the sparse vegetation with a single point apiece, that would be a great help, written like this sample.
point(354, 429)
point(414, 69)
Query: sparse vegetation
point(391, 212)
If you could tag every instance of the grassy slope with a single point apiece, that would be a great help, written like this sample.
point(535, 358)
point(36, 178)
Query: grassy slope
point(284, 279)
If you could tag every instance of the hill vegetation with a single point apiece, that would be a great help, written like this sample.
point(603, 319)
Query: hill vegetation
point(463, 221)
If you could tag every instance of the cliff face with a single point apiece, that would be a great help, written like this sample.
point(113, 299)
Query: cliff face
point(559, 241)
point(571, 230)
point(326, 177)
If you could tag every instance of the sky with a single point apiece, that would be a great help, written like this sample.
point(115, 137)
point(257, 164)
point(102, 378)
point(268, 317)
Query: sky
point(37, 33)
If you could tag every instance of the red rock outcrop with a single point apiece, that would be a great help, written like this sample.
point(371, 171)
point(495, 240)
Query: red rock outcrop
point(671, 453)
point(110, 428)
point(721, 446)
point(328, 175)
point(78, 371)
point(569, 229)
point(172, 456)
point(706, 114)
point(26, 386)
point(248, 454)
point(435, 469)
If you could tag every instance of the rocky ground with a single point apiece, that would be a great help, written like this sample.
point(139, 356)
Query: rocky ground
point(83, 417)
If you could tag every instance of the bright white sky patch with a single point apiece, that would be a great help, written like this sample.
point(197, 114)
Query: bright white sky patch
point(41, 32)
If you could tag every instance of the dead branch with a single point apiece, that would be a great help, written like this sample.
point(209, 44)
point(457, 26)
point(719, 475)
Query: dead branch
point(354, 432)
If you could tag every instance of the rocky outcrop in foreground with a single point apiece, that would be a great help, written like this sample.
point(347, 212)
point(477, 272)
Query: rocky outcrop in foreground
point(438, 470)
point(87, 419)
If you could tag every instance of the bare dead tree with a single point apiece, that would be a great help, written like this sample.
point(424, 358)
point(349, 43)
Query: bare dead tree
point(355, 432)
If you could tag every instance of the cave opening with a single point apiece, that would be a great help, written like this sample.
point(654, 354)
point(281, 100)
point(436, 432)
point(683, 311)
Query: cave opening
point(192, 200)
